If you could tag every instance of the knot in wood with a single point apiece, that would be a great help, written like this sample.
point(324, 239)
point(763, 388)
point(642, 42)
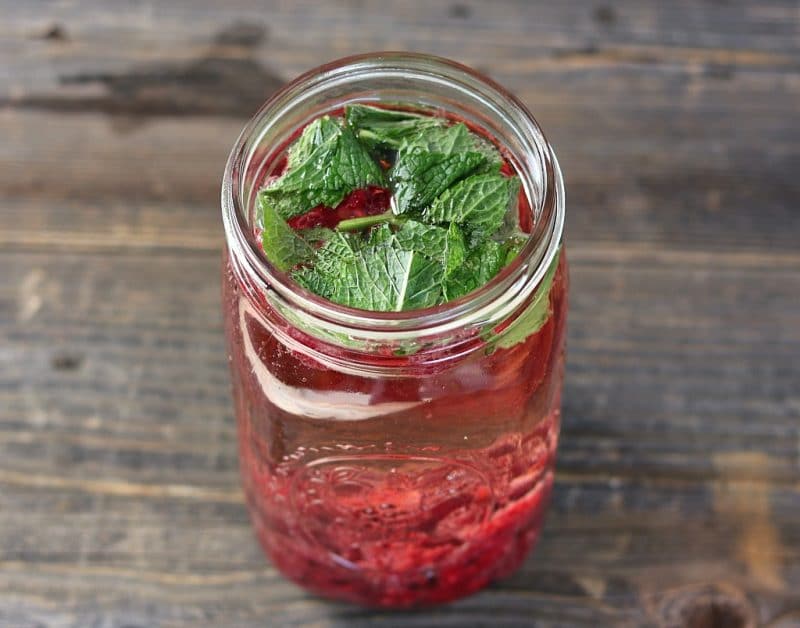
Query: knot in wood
point(706, 606)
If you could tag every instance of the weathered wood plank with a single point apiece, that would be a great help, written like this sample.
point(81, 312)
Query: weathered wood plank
point(726, 179)
point(656, 383)
point(714, 188)
point(679, 475)
point(591, 562)
point(661, 374)
point(170, 457)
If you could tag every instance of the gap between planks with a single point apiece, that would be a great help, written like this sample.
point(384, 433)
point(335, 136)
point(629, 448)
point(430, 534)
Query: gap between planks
point(123, 488)
point(579, 250)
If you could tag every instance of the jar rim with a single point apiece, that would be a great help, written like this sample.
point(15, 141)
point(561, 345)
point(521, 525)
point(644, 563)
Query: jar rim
point(489, 304)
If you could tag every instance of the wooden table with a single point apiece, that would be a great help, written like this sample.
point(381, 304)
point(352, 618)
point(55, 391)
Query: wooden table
point(678, 128)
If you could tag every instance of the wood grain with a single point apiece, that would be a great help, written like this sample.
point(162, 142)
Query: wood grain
point(678, 488)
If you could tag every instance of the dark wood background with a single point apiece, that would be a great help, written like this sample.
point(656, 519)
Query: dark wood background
point(678, 128)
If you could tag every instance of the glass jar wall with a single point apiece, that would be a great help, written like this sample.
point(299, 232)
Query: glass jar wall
point(397, 459)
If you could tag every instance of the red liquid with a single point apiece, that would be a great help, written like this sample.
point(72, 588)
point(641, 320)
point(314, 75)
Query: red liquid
point(359, 203)
point(397, 491)
point(394, 491)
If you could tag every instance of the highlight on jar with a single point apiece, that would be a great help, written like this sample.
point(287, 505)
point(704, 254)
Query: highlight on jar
point(395, 299)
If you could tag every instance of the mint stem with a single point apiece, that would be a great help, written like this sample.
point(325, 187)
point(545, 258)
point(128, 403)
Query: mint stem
point(363, 222)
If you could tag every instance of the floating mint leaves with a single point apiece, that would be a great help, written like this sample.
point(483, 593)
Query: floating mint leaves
point(451, 228)
point(419, 176)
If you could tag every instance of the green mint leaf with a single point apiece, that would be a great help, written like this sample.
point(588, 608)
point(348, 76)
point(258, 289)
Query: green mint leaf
point(535, 315)
point(447, 139)
point(314, 135)
point(455, 252)
point(314, 281)
point(458, 139)
point(329, 259)
point(341, 248)
point(282, 245)
point(323, 173)
point(437, 243)
point(386, 128)
point(493, 158)
point(479, 204)
point(316, 235)
point(379, 234)
point(480, 267)
point(418, 176)
point(433, 160)
point(388, 279)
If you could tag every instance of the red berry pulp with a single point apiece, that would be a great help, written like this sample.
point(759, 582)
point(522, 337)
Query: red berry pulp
point(403, 490)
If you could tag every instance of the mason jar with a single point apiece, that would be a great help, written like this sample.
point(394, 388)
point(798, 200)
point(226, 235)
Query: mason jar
point(396, 458)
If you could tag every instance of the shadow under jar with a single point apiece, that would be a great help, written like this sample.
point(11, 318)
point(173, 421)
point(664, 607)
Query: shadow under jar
point(397, 459)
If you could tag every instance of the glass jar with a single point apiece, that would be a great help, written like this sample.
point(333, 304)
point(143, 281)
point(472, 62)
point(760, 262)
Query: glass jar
point(396, 459)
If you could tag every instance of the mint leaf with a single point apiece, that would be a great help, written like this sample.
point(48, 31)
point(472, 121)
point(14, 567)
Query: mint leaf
point(283, 247)
point(478, 203)
point(535, 315)
point(480, 267)
point(437, 243)
point(447, 139)
point(458, 139)
point(323, 173)
point(379, 234)
point(315, 134)
point(314, 281)
point(386, 278)
point(380, 276)
point(316, 235)
point(455, 251)
point(386, 128)
point(433, 160)
point(329, 259)
point(342, 247)
point(419, 176)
